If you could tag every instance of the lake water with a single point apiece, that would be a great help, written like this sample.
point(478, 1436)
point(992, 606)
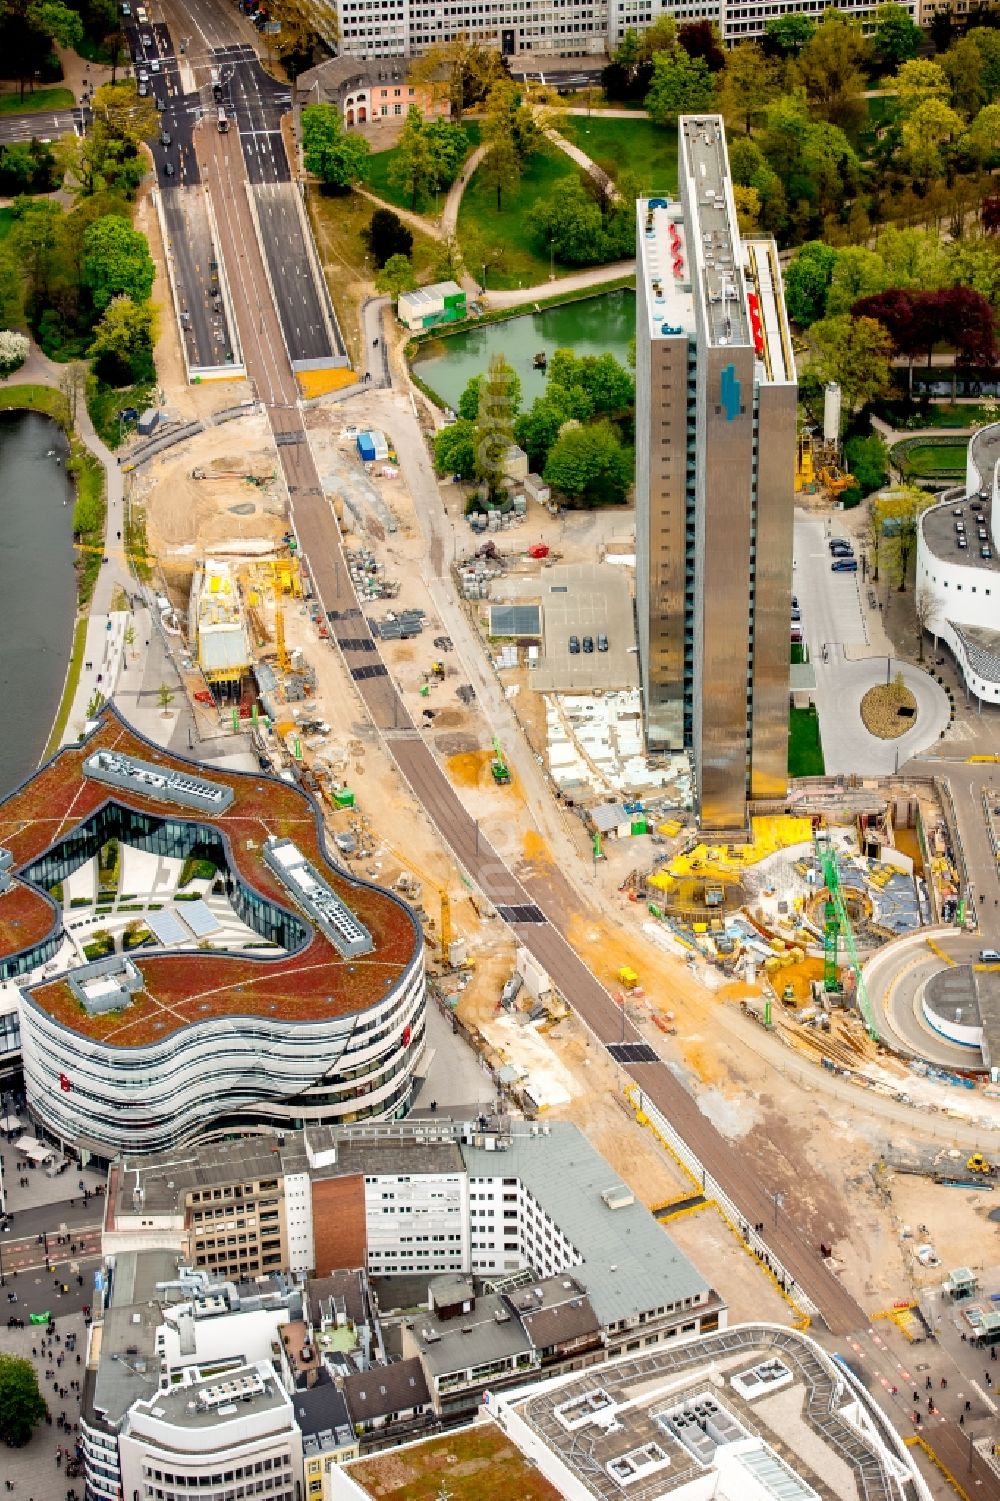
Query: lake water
point(595, 325)
point(37, 587)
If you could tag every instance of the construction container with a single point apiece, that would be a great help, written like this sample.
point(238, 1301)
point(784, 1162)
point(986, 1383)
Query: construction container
point(344, 797)
point(640, 826)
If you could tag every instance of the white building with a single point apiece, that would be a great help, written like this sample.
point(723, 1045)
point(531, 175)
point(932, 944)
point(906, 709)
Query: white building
point(231, 1434)
point(957, 590)
point(556, 28)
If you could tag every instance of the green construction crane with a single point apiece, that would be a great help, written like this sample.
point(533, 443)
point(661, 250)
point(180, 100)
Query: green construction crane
point(838, 925)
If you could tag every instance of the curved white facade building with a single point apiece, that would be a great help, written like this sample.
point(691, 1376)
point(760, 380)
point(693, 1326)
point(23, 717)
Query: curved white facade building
point(958, 588)
point(316, 1016)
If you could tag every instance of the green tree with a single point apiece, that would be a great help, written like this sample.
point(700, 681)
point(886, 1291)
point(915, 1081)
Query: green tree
point(590, 466)
point(963, 66)
point(895, 37)
point(831, 67)
point(455, 449)
point(857, 273)
point(396, 276)
point(336, 158)
point(928, 135)
point(22, 1406)
point(572, 224)
point(29, 29)
point(387, 235)
point(984, 133)
point(537, 429)
point(116, 261)
point(122, 347)
point(901, 508)
point(681, 85)
point(33, 237)
point(975, 264)
point(165, 696)
point(510, 134)
point(854, 352)
point(913, 258)
point(660, 37)
point(494, 426)
point(411, 169)
point(749, 84)
point(868, 460)
point(786, 36)
point(919, 80)
point(606, 386)
point(629, 53)
point(461, 71)
point(807, 282)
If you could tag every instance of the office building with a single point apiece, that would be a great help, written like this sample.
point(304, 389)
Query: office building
point(287, 991)
point(552, 29)
point(424, 1199)
point(715, 460)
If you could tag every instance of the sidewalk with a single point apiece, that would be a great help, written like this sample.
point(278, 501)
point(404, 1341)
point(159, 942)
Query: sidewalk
point(594, 276)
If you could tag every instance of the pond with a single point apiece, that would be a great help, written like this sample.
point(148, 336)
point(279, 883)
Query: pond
point(37, 587)
point(595, 325)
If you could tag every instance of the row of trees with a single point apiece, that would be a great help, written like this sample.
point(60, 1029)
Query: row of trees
point(577, 435)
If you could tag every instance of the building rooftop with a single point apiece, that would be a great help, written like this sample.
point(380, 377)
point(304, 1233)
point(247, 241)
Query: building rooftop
point(322, 1416)
point(201, 1405)
point(714, 233)
point(942, 533)
point(310, 983)
point(159, 1184)
point(489, 1332)
point(629, 1264)
point(756, 1411)
point(122, 1361)
point(343, 1287)
point(386, 1389)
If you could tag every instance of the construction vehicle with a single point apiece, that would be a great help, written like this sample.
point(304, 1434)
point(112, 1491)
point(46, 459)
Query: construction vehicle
point(977, 1163)
point(835, 480)
point(498, 766)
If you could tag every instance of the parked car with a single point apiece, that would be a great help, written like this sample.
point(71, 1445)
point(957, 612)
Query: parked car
point(588, 644)
point(574, 646)
point(602, 641)
point(838, 544)
point(844, 565)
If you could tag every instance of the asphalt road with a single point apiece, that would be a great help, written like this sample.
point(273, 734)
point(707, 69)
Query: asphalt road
point(968, 784)
point(45, 126)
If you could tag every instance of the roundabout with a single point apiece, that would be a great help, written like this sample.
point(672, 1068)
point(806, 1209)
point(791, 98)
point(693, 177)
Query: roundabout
point(935, 1002)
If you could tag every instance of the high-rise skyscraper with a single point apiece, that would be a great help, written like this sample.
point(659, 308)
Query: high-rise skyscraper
point(715, 477)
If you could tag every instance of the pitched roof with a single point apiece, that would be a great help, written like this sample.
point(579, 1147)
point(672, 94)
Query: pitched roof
point(385, 1390)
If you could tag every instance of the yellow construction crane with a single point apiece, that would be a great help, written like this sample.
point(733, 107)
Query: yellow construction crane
point(444, 932)
point(279, 635)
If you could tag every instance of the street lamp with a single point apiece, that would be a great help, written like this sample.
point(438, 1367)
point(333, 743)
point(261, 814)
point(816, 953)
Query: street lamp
point(778, 1200)
point(552, 257)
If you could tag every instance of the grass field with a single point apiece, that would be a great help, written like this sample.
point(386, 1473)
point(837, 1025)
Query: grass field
point(939, 414)
point(6, 220)
point(930, 458)
point(525, 262)
point(41, 100)
point(805, 750)
point(337, 221)
point(377, 177)
point(638, 146)
point(37, 399)
point(69, 687)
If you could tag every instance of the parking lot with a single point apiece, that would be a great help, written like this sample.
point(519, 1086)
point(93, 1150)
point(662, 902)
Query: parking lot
point(842, 628)
point(586, 599)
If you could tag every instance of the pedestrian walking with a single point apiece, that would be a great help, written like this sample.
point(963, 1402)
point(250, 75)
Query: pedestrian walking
point(944, 1383)
point(961, 1420)
point(968, 1405)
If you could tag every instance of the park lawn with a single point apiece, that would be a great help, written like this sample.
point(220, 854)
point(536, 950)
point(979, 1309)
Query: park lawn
point(805, 749)
point(525, 260)
point(943, 414)
point(337, 221)
point(932, 459)
point(39, 101)
point(6, 220)
point(377, 176)
point(638, 146)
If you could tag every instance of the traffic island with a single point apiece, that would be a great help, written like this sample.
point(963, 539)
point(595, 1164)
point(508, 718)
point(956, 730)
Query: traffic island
point(889, 709)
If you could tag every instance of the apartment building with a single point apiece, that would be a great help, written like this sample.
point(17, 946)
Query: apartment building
point(715, 461)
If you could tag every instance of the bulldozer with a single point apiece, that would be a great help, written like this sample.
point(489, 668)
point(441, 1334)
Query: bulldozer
point(977, 1163)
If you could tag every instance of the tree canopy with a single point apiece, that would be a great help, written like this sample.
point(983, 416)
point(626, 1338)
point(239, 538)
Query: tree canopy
point(336, 157)
point(22, 1406)
point(590, 466)
point(116, 262)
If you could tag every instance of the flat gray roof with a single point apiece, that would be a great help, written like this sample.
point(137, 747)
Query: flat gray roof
point(941, 535)
point(629, 1263)
point(232, 1396)
point(489, 1332)
point(714, 231)
point(128, 1365)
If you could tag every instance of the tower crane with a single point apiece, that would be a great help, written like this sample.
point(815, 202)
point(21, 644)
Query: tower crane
point(837, 925)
